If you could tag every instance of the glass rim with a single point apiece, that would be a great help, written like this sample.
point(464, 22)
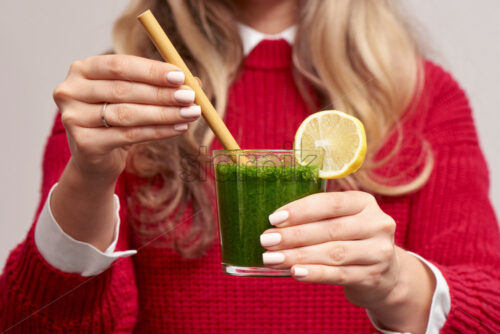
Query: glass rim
point(281, 154)
point(265, 150)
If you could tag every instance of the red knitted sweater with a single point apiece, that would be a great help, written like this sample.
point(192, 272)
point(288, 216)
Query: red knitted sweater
point(449, 221)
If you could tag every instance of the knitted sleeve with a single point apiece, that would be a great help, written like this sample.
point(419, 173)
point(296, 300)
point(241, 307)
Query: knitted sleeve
point(36, 297)
point(453, 223)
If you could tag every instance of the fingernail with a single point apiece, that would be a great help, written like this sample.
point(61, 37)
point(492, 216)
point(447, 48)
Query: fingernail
point(180, 127)
point(184, 95)
point(270, 239)
point(300, 272)
point(273, 258)
point(278, 217)
point(190, 112)
point(176, 77)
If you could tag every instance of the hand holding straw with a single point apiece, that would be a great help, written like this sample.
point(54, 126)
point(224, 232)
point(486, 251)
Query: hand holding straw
point(170, 54)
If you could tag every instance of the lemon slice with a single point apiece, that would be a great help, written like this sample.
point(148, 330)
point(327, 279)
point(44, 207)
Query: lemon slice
point(341, 136)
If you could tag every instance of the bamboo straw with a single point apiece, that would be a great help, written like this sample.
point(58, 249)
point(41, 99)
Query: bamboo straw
point(170, 54)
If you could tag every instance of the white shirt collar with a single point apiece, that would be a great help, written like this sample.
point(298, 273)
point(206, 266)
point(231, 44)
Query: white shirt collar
point(251, 37)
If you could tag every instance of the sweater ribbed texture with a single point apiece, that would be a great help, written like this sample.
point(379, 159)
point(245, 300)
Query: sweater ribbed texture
point(449, 221)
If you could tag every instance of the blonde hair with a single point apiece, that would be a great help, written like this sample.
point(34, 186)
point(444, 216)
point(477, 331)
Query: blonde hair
point(359, 55)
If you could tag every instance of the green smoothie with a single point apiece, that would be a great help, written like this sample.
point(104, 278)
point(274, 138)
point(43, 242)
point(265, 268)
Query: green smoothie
point(247, 195)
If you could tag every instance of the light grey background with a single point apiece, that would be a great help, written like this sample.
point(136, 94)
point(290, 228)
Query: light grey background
point(40, 39)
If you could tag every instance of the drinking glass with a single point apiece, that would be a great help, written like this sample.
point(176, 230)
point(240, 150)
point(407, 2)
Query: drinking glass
point(250, 185)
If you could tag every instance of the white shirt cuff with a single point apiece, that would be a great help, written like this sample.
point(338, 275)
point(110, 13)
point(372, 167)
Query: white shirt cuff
point(70, 255)
point(440, 306)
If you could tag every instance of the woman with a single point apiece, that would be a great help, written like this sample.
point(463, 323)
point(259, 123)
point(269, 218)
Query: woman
point(127, 126)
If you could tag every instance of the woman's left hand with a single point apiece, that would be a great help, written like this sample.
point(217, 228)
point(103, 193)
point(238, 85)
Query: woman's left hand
point(340, 238)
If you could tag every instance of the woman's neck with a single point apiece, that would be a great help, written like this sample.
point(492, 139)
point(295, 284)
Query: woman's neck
point(268, 16)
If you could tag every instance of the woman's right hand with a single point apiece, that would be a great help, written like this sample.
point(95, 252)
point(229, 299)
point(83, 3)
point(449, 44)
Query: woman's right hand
point(146, 101)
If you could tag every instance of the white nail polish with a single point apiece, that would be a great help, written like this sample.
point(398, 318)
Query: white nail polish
point(180, 127)
point(278, 217)
point(270, 239)
point(273, 258)
point(184, 95)
point(176, 77)
point(300, 272)
point(190, 112)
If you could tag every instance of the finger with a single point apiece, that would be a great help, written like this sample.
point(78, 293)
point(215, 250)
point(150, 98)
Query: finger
point(337, 229)
point(94, 141)
point(320, 206)
point(100, 91)
point(128, 115)
point(333, 253)
point(346, 276)
point(131, 68)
